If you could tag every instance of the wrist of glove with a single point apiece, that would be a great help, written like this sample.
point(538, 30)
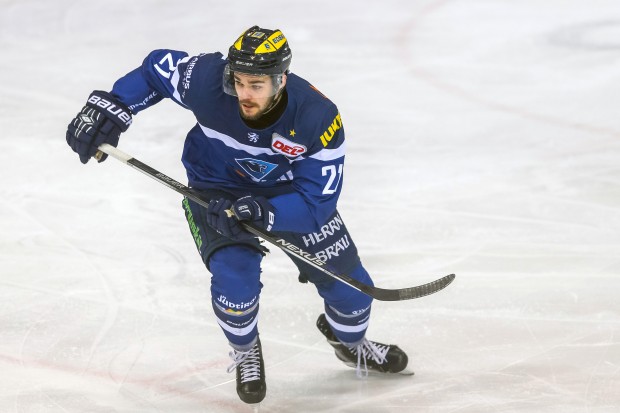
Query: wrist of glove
point(101, 120)
point(256, 210)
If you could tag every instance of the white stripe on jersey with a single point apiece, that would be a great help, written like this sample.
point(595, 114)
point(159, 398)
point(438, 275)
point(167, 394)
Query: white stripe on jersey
point(322, 155)
point(174, 81)
point(232, 143)
point(330, 154)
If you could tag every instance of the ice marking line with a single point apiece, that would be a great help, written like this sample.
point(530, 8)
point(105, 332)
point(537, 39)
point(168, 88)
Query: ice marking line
point(112, 303)
point(135, 359)
point(147, 382)
point(403, 39)
point(161, 384)
point(58, 294)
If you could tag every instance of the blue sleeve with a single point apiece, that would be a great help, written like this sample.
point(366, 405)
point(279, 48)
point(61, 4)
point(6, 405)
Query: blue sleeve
point(316, 196)
point(317, 182)
point(147, 85)
point(290, 211)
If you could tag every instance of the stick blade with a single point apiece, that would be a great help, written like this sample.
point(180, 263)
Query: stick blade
point(411, 293)
point(426, 289)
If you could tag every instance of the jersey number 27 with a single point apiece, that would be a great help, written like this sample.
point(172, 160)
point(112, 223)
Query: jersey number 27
point(334, 178)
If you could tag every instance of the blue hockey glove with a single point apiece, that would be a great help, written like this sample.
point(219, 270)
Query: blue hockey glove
point(256, 210)
point(101, 120)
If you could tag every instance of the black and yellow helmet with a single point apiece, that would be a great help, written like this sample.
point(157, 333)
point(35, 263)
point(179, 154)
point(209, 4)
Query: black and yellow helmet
point(260, 51)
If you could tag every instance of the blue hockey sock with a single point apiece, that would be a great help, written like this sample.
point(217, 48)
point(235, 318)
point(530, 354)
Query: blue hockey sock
point(349, 328)
point(235, 289)
point(347, 310)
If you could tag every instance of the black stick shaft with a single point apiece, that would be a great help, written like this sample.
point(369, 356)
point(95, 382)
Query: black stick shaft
point(381, 294)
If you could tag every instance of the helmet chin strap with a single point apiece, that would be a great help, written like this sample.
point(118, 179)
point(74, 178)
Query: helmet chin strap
point(274, 102)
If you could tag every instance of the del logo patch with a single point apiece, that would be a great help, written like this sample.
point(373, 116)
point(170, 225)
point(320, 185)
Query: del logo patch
point(286, 147)
point(256, 168)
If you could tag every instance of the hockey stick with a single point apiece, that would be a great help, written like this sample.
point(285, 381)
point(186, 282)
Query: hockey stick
point(381, 294)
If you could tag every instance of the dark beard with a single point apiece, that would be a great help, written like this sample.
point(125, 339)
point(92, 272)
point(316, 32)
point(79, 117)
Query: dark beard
point(258, 114)
point(268, 116)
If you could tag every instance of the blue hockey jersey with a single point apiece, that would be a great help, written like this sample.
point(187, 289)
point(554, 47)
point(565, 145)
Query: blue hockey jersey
point(297, 162)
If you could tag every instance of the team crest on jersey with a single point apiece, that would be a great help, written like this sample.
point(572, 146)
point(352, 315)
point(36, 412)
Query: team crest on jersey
point(256, 168)
point(286, 147)
point(253, 137)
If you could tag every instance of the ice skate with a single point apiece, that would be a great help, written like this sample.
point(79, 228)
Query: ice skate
point(366, 356)
point(251, 386)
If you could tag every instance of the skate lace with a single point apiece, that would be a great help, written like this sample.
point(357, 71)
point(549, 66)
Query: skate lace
point(248, 362)
point(369, 350)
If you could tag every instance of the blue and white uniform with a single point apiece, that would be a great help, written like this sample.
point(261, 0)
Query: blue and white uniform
point(297, 163)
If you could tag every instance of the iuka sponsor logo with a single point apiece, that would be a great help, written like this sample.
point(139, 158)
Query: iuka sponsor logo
point(327, 136)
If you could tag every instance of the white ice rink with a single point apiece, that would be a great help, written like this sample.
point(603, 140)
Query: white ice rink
point(483, 140)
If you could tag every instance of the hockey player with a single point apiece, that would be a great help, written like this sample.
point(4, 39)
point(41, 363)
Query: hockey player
point(270, 147)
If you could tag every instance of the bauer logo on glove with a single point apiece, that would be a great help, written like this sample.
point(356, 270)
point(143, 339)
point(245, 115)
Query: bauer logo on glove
point(115, 110)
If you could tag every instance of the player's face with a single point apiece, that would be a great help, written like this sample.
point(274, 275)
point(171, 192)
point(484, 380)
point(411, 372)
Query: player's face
point(255, 94)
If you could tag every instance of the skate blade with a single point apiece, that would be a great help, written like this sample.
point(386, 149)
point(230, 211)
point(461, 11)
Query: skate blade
point(405, 372)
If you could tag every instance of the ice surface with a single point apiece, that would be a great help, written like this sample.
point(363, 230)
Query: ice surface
point(483, 139)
